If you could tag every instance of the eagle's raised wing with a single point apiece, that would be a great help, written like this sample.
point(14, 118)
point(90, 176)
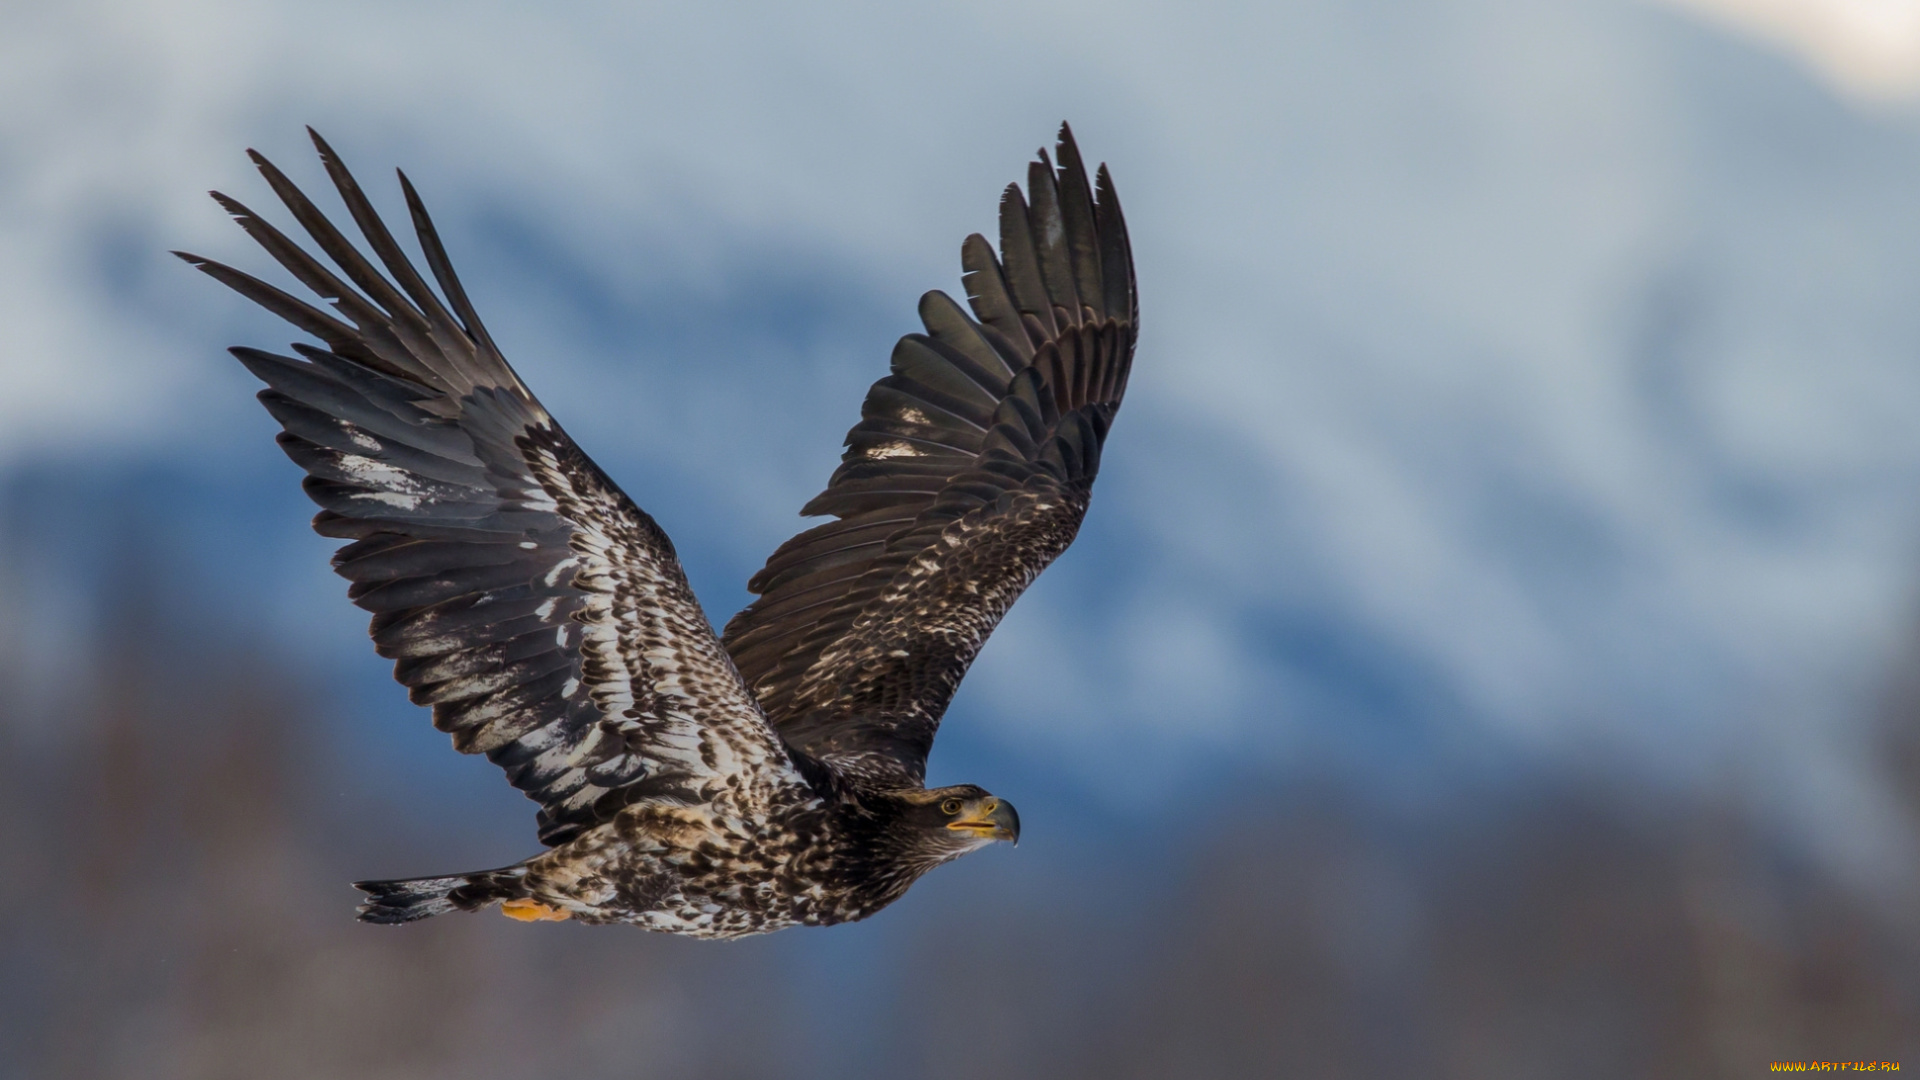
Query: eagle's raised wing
point(520, 593)
point(967, 474)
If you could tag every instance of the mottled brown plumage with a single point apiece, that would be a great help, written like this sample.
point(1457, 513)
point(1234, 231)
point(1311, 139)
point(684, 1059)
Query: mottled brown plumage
point(690, 783)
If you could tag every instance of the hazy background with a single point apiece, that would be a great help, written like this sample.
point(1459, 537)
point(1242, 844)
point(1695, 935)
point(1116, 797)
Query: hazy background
point(1491, 652)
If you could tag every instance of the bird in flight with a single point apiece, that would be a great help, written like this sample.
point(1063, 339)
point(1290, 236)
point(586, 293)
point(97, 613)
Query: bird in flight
point(716, 786)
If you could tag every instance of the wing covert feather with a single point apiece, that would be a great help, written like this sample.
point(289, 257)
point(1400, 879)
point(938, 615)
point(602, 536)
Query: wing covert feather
point(540, 613)
point(968, 473)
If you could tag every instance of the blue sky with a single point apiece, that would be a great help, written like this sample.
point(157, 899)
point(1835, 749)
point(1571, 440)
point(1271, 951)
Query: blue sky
point(1519, 383)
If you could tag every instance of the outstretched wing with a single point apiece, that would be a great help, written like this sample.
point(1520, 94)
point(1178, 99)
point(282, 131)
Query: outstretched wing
point(520, 593)
point(968, 473)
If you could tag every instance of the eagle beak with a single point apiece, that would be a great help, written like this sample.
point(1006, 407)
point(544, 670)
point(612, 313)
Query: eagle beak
point(992, 818)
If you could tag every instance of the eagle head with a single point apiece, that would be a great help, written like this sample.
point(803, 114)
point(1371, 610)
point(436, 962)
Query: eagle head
point(937, 824)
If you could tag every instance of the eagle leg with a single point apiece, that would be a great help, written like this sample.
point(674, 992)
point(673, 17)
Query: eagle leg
point(533, 911)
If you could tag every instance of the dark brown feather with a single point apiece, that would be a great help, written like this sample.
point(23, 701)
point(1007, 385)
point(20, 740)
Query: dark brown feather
point(968, 473)
point(522, 596)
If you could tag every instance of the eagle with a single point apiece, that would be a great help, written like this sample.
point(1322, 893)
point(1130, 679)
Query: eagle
point(710, 785)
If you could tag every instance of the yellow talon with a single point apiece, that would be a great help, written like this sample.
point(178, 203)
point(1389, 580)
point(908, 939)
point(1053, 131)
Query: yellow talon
point(533, 911)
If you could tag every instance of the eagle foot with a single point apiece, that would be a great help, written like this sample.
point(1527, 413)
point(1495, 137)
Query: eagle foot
point(533, 911)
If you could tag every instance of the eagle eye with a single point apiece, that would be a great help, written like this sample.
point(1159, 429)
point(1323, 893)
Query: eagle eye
point(950, 807)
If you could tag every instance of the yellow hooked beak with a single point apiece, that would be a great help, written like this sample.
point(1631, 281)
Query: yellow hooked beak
point(991, 818)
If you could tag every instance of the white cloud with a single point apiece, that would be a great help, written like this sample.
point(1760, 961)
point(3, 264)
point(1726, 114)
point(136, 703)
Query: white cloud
point(1866, 47)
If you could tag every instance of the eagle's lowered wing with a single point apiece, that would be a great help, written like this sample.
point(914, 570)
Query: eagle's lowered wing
point(967, 474)
point(521, 594)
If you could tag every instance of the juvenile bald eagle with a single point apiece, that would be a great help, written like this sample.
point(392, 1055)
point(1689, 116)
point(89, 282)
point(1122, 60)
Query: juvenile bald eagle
point(703, 785)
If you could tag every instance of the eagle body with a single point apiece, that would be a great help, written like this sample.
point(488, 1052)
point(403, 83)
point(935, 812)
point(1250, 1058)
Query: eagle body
point(714, 785)
point(692, 870)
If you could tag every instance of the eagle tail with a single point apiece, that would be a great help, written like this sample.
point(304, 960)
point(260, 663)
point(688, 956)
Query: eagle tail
point(412, 899)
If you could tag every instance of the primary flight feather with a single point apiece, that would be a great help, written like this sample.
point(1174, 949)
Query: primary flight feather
point(703, 785)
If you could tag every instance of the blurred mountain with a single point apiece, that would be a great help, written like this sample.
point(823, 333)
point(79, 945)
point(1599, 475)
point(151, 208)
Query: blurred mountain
point(1518, 381)
point(1489, 654)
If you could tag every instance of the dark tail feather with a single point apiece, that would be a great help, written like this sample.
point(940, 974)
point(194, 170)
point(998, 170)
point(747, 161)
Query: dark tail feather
point(392, 902)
